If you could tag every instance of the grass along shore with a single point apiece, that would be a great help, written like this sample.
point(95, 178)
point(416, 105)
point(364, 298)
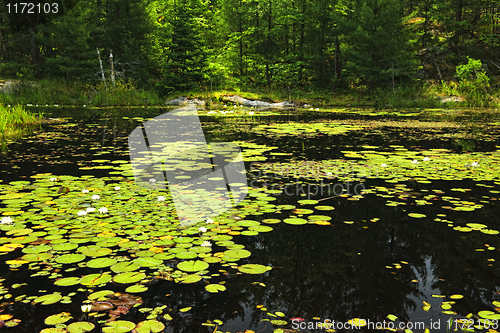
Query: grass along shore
point(15, 120)
point(125, 93)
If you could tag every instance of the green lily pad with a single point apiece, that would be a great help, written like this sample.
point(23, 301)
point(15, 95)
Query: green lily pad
point(215, 288)
point(68, 281)
point(99, 294)
point(253, 269)
point(37, 249)
point(95, 279)
point(149, 326)
point(118, 326)
point(261, 228)
point(70, 258)
point(324, 208)
point(148, 261)
point(80, 327)
point(138, 288)
point(238, 253)
point(95, 251)
point(58, 318)
point(101, 262)
point(125, 266)
point(37, 257)
point(192, 266)
point(307, 202)
point(129, 277)
point(489, 315)
point(48, 299)
point(295, 221)
point(190, 278)
point(271, 221)
point(186, 255)
point(64, 247)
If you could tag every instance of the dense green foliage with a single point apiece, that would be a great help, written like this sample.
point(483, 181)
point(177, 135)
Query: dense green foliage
point(177, 45)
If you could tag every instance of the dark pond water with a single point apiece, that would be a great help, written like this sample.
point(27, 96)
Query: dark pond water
point(368, 258)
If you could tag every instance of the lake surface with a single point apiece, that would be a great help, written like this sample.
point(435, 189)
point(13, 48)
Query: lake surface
point(351, 214)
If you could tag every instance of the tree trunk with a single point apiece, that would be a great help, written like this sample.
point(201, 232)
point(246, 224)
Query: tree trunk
point(34, 50)
point(268, 45)
point(338, 60)
point(301, 42)
point(240, 29)
point(4, 47)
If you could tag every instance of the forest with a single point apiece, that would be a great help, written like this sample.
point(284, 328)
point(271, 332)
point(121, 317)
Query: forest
point(324, 45)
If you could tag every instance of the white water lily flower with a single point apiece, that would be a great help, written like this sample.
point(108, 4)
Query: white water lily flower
point(251, 113)
point(202, 229)
point(475, 164)
point(82, 213)
point(53, 179)
point(329, 174)
point(6, 220)
point(152, 180)
point(206, 244)
point(85, 191)
point(414, 162)
point(317, 109)
point(209, 221)
point(90, 209)
point(96, 197)
point(117, 188)
point(311, 109)
point(383, 165)
point(103, 210)
point(161, 198)
point(426, 159)
point(86, 307)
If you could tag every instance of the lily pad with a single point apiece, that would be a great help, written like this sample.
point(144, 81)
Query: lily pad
point(138, 288)
point(80, 327)
point(192, 266)
point(95, 279)
point(253, 269)
point(129, 277)
point(48, 299)
point(68, 281)
point(70, 258)
point(118, 326)
point(125, 266)
point(58, 318)
point(149, 326)
point(215, 288)
point(101, 262)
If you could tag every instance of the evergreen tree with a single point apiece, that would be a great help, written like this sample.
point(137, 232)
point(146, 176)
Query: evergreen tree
point(186, 55)
point(378, 44)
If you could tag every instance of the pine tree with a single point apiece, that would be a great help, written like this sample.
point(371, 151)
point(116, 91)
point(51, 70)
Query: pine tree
point(378, 44)
point(186, 55)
